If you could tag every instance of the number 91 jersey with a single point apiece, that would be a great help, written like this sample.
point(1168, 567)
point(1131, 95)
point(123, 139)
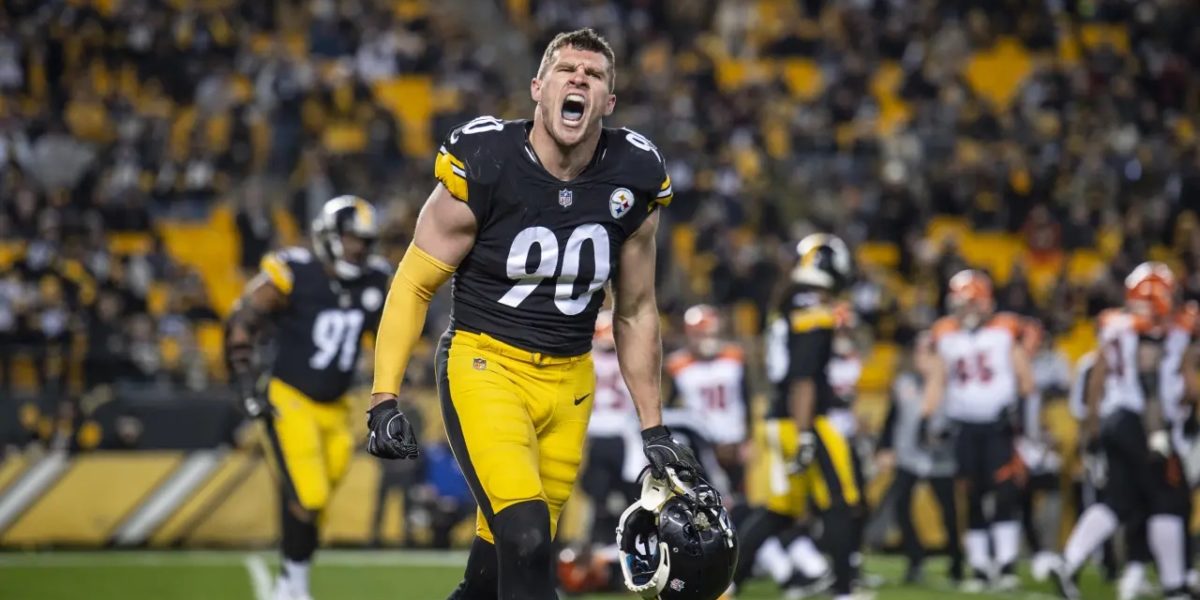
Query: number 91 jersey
point(544, 247)
point(319, 332)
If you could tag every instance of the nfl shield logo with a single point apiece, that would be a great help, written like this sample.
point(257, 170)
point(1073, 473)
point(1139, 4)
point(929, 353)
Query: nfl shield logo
point(480, 364)
point(566, 198)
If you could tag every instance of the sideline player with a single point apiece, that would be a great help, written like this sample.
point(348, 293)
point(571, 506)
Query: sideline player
point(1144, 367)
point(532, 218)
point(709, 379)
point(320, 307)
point(809, 459)
point(980, 370)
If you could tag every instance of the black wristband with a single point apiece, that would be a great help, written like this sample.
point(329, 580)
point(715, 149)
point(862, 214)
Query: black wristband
point(389, 404)
point(655, 433)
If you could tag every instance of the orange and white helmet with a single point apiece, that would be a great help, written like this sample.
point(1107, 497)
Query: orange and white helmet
point(1150, 290)
point(970, 288)
point(603, 336)
point(702, 324)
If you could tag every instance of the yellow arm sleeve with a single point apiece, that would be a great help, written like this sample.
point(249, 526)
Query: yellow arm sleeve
point(417, 280)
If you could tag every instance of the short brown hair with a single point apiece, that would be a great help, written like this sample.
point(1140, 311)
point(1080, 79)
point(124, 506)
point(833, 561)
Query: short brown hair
point(581, 39)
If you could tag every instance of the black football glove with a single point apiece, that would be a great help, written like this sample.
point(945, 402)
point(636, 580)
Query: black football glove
point(663, 451)
point(806, 450)
point(250, 401)
point(391, 436)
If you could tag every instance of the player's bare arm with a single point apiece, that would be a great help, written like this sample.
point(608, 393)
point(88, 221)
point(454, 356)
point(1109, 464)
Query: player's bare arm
point(935, 385)
point(1092, 394)
point(1024, 371)
point(639, 347)
point(261, 298)
point(636, 327)
point(802, 399)
point(444, 234)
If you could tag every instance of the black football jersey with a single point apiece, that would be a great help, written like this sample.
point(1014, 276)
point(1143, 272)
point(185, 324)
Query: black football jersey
point(318, 334)
point(544, 248)
point(799, 346)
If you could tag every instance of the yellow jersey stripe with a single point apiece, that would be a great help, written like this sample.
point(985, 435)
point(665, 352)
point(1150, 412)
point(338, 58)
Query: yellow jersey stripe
point(278, 272)
point(452, 173)
point(812, 319)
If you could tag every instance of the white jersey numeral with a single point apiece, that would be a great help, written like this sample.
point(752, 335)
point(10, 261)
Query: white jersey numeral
point(335, 334)
point(548, 266)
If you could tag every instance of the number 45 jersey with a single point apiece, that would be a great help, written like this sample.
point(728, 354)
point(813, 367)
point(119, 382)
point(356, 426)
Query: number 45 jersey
point(544, 247)
point(981, 379)
point(319, 332)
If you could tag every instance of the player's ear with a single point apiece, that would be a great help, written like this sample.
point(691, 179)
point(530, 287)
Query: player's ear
point(610, 103)
point(535, 89)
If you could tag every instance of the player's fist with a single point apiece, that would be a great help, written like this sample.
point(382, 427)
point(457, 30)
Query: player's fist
point(663, 451)
point(391, 435)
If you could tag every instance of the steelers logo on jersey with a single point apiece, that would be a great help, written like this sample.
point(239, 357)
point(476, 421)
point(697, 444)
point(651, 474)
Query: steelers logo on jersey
point(620, 202)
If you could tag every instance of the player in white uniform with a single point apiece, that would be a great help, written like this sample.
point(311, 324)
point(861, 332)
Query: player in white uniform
point(709, 379)
point(1143, 373)
point(979, 371)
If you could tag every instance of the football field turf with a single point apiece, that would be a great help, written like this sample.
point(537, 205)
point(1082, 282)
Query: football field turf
point(347, 575)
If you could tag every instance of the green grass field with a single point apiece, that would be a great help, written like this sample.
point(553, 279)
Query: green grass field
point(345, 575)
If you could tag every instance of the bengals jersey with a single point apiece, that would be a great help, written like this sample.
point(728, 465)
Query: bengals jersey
point(981, 378)
point(799, 346)
point(714, 389)
point(1143, 362)
point(544, 248)
point(319, 332)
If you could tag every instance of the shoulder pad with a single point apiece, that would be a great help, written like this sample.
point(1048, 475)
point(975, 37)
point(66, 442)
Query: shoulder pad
point(678, 361)
point(1008, 322)
point(472, 153)
point(943, 327)
point(278, 266)
point(812, 319)
point(645, 164)
point(733, 352)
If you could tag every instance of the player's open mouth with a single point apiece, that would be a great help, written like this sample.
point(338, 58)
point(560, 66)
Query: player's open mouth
point(572, 108)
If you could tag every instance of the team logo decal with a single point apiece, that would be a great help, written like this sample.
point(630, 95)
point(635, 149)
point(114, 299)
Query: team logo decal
point(566, 198)
point(372, 298)
point(620, 202)
point(677, 585)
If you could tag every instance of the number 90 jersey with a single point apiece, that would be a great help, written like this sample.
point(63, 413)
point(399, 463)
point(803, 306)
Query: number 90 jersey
point(318, 334)
point(544, 247)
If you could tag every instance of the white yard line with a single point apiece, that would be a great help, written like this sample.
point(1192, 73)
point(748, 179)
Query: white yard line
point(260, 577)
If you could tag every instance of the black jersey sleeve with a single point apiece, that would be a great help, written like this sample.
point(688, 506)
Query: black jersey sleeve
point(469, 162)
point(649, 167)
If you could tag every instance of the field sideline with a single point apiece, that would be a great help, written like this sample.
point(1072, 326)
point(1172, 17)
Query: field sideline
point(342, 575)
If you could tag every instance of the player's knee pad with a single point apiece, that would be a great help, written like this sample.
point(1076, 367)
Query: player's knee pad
point(522, 533)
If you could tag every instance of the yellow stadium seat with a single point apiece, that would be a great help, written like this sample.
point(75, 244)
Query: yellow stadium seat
point(157, 298)
point(1084, 265)
point(1079, 340)
point(940, 227)
point(344, 138)
point(126, 243)
point(997, 73)
point(996, 252)
point(1094, 35)
point(880, 254)
point(10, 252)
point(803, 78)
point(410, 99)
point(210, 337)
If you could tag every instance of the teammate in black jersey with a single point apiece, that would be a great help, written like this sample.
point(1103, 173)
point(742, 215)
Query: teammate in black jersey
point(320, 303)
point(532, 218)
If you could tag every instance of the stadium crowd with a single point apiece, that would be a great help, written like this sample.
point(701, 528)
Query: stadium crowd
point(1069, 127)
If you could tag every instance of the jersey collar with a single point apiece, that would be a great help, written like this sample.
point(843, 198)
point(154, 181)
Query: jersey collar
point(597, 156)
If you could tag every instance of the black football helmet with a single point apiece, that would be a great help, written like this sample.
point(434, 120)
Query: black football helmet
point(344, 215)
point(677, 541)
point(823, 261)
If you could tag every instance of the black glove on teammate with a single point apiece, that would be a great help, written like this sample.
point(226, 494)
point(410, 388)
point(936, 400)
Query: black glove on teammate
point(391, 436)
point(663, 451)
